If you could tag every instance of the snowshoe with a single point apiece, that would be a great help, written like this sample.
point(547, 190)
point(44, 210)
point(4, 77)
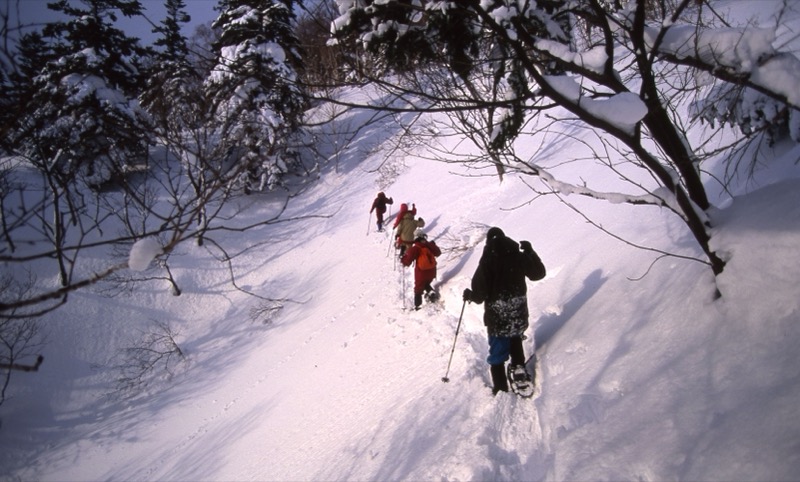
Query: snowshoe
point(520, 381)
point(432, 296)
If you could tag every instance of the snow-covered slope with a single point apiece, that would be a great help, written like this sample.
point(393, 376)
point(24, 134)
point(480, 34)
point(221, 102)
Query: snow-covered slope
point(641, 375)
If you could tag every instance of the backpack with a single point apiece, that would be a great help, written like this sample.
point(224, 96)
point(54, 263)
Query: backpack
point(426, 260)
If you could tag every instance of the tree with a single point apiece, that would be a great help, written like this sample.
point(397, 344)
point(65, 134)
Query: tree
point(31, 57)
point(608, 65)
point(171, 70)
point(172, 41)
point(58, 236)
point(21, 339)
point(15, 79)
point(256, 101)
point(51, 222)
point(82, 120)
point(322, 63)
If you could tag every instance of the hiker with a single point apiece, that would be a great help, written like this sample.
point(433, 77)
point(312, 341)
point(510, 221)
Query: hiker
point(405, 227)
point(499, 282)
point(379, 206)
point(403, 211)
point(423, 254)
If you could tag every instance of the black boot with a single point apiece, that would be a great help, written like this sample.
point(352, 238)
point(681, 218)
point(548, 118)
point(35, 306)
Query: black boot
point(517, 351)
point(522, 381)
point(417, 300)
point(499, 380)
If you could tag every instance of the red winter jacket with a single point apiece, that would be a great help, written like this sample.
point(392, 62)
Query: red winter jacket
point(380, 203)
point(421, 277)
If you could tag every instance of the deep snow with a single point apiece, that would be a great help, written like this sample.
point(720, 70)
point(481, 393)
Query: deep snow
point(647, 379)
point(641, 374)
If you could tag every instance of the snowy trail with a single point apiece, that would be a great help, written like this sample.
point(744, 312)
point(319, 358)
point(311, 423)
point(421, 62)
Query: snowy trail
point(364, 429)
point(378, 433)
point(354, 390)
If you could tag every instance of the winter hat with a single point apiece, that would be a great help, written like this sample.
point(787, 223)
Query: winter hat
point(494, 233)
point(420, 235)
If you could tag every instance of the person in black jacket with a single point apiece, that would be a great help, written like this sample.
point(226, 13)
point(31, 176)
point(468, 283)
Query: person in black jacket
point(499, 282)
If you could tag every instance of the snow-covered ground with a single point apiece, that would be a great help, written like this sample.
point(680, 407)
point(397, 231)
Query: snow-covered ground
point(641, 373)
point(646, 379)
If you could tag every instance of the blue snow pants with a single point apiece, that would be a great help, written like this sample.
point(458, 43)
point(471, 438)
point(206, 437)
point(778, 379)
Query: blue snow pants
point(499, 350)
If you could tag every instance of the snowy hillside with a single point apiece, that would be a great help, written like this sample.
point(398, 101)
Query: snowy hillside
point(640, 374)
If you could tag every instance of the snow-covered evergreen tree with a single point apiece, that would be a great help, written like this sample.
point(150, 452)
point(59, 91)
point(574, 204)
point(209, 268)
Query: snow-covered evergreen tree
point(29, 60)
point(82, 118)
point(171, 72)
point(172, 40)
point(257, 102)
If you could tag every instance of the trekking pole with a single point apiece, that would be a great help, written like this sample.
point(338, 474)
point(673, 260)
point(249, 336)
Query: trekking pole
point(369, 221)
point(391, 238)
point(403, 277)
point(444, 378)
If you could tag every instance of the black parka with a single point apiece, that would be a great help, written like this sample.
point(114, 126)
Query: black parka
point(499, 281)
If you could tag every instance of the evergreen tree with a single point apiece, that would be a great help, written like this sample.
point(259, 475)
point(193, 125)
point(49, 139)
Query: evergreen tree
point(6, 104)
point(253, 88)
point(32, 55)
point(117, 56)
point(171, 73)
point(172, 41)
point(82, 117)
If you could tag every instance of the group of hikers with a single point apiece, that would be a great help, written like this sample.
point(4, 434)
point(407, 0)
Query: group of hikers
point(412, 245)
point(498, 283)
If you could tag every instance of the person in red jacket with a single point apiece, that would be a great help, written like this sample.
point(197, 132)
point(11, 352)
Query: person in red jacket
point(379, 206)
point(423, 254)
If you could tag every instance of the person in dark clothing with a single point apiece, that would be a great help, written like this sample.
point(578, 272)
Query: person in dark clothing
point(379, 206)
point(423, 254)
point(499, 283)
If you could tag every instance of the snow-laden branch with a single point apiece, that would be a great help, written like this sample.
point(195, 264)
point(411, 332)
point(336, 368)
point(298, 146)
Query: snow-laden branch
point(739, 55)
point(661, 197)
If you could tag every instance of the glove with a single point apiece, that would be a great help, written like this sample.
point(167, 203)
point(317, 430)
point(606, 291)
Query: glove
point(526, 246)
point(467, 294)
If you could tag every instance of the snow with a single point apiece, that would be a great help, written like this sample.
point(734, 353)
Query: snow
point(143, 252)
point(745, 50)
point(639, 377)
point(623, 110)
point(593, 59)
point(641, 373)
